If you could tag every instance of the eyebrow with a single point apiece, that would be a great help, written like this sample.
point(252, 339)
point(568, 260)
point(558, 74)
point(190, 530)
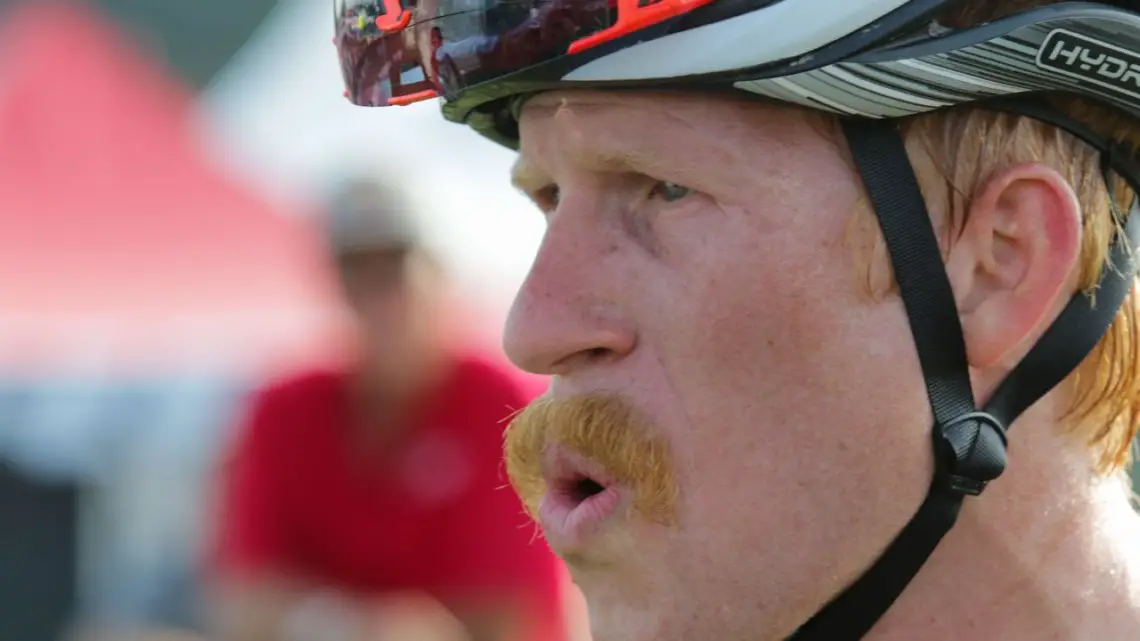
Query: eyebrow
point(526, 177)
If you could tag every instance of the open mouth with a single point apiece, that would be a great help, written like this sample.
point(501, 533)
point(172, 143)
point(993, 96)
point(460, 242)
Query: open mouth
point(579, 498)
point(578, 490)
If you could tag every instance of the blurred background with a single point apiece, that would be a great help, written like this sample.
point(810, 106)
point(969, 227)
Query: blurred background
point(160, 165)
point(161, 162)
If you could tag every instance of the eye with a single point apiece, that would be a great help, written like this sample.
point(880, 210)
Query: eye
point(669, 192)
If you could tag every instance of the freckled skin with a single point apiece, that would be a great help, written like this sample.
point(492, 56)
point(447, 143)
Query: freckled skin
point(697, 264)
point(748, 352)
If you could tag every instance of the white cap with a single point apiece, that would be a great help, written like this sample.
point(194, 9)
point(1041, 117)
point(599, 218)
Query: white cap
point(369, 215)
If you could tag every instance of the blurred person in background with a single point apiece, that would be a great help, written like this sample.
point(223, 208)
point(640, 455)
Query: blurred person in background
point(369, 503)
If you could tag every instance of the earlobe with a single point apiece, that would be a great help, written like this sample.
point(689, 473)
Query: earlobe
point(1013, 267)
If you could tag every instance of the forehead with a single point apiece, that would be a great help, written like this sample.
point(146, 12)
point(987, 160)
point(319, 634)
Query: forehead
point(608, 130)
point(681, 107)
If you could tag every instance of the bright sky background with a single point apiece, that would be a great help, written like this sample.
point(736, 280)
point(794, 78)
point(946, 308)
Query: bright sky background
point(277, 116)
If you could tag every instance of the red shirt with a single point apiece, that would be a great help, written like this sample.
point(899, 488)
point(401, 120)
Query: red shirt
point(439, 517)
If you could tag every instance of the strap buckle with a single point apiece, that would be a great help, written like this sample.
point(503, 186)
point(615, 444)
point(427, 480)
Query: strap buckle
point(972, 452)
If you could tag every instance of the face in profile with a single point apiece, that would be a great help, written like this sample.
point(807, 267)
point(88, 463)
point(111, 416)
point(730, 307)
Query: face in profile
point(734, 430)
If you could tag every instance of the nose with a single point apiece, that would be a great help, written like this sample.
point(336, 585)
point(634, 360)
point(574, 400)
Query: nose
point(570, 311)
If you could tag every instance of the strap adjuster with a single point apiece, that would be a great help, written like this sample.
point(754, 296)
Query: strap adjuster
point(975, 446)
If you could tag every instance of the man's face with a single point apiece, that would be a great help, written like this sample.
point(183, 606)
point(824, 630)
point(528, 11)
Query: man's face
point(393, 303)
point(770, 433)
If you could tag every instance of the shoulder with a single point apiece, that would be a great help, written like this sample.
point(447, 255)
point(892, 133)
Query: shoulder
point(485, 393)
point(284, 405)
point(299, 389)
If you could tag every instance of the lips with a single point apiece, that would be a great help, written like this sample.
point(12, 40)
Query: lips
point(579, 498)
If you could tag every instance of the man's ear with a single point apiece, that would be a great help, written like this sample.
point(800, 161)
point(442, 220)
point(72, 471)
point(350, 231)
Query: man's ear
point(1013, 267)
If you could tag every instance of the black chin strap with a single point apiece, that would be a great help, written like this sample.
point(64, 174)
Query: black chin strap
point(969, 444)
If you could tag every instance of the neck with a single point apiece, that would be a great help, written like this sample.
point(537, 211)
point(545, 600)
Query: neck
point(1045, 554)
point(383, 396)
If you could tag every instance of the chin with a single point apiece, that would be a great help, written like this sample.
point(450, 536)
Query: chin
point(625, 625)
point(630, 610)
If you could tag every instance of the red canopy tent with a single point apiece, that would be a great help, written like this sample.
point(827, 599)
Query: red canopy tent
point(118, 239)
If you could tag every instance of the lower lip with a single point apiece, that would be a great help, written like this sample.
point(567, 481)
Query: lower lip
point(567, 523)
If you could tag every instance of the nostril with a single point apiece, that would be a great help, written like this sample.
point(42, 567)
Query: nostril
point(598, 353)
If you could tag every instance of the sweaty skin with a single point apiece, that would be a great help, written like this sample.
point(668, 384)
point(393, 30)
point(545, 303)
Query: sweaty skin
point(696, 279)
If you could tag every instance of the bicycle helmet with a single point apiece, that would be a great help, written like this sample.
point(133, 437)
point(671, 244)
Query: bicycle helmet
point(867, 61)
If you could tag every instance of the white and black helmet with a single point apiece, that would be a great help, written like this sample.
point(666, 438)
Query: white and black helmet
point(867, 61)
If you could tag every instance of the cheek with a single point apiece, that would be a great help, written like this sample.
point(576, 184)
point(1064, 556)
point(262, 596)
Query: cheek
point(756, 345)
point(804, 402)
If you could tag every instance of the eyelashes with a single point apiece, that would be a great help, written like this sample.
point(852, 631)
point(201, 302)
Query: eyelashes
point(669, 192)
point(548, 197)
